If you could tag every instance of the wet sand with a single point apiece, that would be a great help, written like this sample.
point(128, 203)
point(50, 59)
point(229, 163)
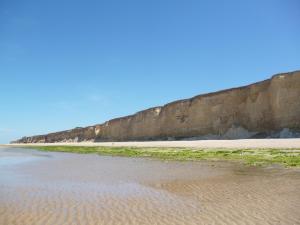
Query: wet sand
point(49, 188)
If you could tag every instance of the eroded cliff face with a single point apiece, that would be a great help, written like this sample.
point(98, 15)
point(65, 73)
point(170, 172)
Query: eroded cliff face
point(270, 108)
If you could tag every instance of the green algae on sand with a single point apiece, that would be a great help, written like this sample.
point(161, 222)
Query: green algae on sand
point(286, 157)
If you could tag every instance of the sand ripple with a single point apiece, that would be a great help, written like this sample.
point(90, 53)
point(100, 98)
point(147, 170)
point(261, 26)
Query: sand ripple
point(88, 189)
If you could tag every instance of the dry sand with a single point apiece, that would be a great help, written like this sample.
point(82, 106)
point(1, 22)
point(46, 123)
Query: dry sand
point(242, 143)
point(47, 188)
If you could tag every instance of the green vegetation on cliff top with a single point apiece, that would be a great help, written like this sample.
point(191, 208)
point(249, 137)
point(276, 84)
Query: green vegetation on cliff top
point(288, 158)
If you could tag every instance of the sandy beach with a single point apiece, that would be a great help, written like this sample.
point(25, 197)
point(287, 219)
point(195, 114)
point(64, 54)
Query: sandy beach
point(241, 143)
point(49, 188)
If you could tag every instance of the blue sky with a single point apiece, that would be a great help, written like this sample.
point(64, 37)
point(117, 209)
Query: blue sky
point(68, 63)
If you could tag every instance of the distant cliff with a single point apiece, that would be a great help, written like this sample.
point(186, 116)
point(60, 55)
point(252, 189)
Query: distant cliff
point(269, 108)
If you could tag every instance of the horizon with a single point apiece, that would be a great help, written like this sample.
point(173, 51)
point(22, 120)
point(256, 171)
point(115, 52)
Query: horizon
point(65, 71)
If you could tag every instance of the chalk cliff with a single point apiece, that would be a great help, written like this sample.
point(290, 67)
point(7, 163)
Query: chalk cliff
point(269, 108)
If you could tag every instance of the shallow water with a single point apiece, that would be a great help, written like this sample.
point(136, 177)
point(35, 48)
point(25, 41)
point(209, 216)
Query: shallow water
point(63, 188)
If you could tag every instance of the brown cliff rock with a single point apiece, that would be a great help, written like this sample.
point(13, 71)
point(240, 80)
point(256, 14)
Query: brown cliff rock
point(270, 108)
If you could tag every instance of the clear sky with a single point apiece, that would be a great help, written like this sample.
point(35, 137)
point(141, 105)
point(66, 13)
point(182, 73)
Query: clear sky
point(68, 63)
